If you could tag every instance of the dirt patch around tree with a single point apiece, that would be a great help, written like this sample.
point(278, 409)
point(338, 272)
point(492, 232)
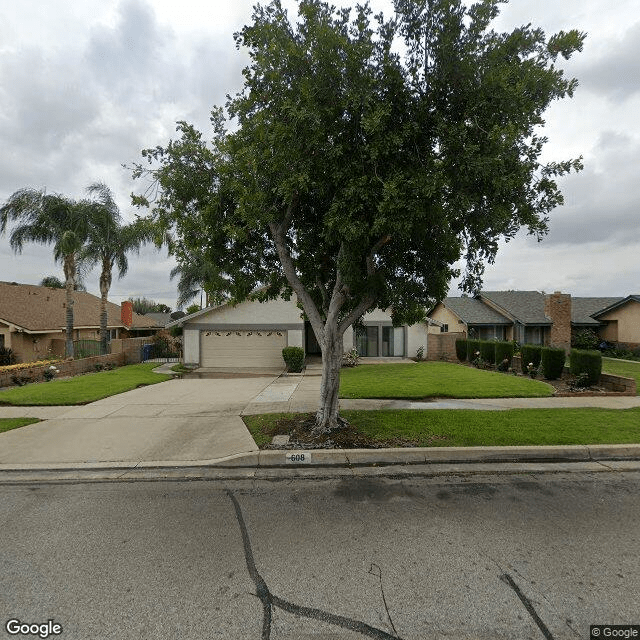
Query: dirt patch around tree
point(301, 436)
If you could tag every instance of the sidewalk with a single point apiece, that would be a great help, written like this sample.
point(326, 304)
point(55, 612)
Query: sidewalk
point(192, 429)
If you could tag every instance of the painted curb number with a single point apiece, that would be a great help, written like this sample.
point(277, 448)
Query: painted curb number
point(298, 457)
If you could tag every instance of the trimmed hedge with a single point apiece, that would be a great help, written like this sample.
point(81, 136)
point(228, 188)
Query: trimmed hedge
point(552, 362)
point(589, 362)
point(504, 351)
point(461, 349)
point(294, 358)
point(488, 351)
point(530, 353)
point(472, 347)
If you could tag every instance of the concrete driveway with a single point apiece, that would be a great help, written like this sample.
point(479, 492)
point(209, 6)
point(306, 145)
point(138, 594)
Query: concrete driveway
point(177, 420)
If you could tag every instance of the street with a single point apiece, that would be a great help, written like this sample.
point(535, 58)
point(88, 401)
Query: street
point(464, 557)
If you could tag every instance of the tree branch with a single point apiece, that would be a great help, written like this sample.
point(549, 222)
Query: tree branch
point(371, 268)
point(278, 233)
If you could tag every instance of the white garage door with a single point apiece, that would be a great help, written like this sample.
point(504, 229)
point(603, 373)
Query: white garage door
point(242, 348)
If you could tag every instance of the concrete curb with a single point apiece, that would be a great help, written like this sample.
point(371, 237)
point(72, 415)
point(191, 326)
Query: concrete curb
point(272, 464)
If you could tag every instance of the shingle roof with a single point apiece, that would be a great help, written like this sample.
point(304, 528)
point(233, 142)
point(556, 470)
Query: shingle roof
point(44, 309)
point(583, 308)
point(161, 319)
point(473, 311)
point(616, 303)
point(525, 306)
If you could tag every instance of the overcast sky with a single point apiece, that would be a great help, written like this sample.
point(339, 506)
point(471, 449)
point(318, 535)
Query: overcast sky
point(86, 84)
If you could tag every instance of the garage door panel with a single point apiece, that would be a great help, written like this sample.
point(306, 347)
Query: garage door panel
point(242, 348)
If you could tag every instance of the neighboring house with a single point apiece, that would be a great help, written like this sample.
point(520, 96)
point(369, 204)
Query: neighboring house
point(537, 318)
point(253, 334)
point(621, 321)
point(161, 319)
point(33, 320)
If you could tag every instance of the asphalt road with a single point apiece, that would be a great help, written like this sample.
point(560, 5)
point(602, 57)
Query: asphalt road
point(486, 557)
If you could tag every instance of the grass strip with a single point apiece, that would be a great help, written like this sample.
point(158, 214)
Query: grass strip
point(473, 428)
point(435, 380)
point(6, 424)
point(84, 388)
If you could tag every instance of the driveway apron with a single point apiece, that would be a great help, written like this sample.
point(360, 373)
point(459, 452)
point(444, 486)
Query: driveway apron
point(177, 420)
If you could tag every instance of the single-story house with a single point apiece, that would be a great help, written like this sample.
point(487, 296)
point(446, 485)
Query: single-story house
point(253, 334)
point(533, 317)
point(33, 320)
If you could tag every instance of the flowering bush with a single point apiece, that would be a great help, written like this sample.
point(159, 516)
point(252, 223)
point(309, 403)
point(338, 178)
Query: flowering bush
point(532, 370)
point(50, 373)
point(350, 359)
point(24, 365)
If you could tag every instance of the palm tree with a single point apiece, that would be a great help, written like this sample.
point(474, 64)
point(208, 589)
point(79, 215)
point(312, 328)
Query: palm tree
point(197, 275)
point(108, 242)
point(50, 219)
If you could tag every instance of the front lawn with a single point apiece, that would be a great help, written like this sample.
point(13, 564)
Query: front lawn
point(624, 369)
point(435, 380)
point(85, 388)
point(469, 428)
point(6, 424)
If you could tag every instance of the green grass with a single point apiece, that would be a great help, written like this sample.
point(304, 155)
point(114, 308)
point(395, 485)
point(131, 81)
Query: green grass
point(6, 424)
point(624, 369)
point(469, 428)
point(435, 380)
point(85, 388)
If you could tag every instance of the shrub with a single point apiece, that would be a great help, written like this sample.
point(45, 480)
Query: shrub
point(488, 351)
point(589, 362)
point(350, 359)
point(585, 339)
point(7, 356)
point(50, 373)
point(461, 349)
point(552, 362)
point(530, 355)
point(420, 353)
point(473, 349)
point(294, 358)
point(504, 351)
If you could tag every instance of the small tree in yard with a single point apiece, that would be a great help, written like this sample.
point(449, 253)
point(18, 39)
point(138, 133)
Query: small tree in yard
point(356, 177)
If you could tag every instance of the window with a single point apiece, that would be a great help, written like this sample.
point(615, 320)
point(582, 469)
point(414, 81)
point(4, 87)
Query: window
point(444, 328)
point(367, 342)
point(385, 341)
point(1, 340)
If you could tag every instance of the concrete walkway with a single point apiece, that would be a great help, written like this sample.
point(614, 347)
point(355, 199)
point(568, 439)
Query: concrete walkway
point(195, 424)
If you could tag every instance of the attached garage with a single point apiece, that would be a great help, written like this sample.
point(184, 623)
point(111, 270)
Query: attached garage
point(261, 349)
point(250, 335)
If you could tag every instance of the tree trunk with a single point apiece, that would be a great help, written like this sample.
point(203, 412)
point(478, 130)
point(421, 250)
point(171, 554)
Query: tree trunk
point(327, 416)
point(103, 322)
point(105, 284)
point(70, 280)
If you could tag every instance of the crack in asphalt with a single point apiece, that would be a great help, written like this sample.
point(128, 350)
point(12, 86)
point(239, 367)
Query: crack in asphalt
point(269, 600)
point(505, 577)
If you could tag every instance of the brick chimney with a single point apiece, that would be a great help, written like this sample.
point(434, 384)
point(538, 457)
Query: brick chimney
point(126, 313)
point(557, 307)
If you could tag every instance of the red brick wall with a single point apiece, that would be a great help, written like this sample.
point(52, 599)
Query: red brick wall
point(557, 307)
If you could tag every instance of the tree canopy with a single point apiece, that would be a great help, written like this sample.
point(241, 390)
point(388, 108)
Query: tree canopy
point(368, 156)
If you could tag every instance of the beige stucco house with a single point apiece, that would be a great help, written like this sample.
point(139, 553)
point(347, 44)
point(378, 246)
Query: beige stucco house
point(33, 320)
point(621, 322)
point(253, 334)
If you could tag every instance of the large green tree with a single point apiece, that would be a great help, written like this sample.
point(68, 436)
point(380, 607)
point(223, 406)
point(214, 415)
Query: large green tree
point(108, 242)
point(366, 157)
point(50, 219)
